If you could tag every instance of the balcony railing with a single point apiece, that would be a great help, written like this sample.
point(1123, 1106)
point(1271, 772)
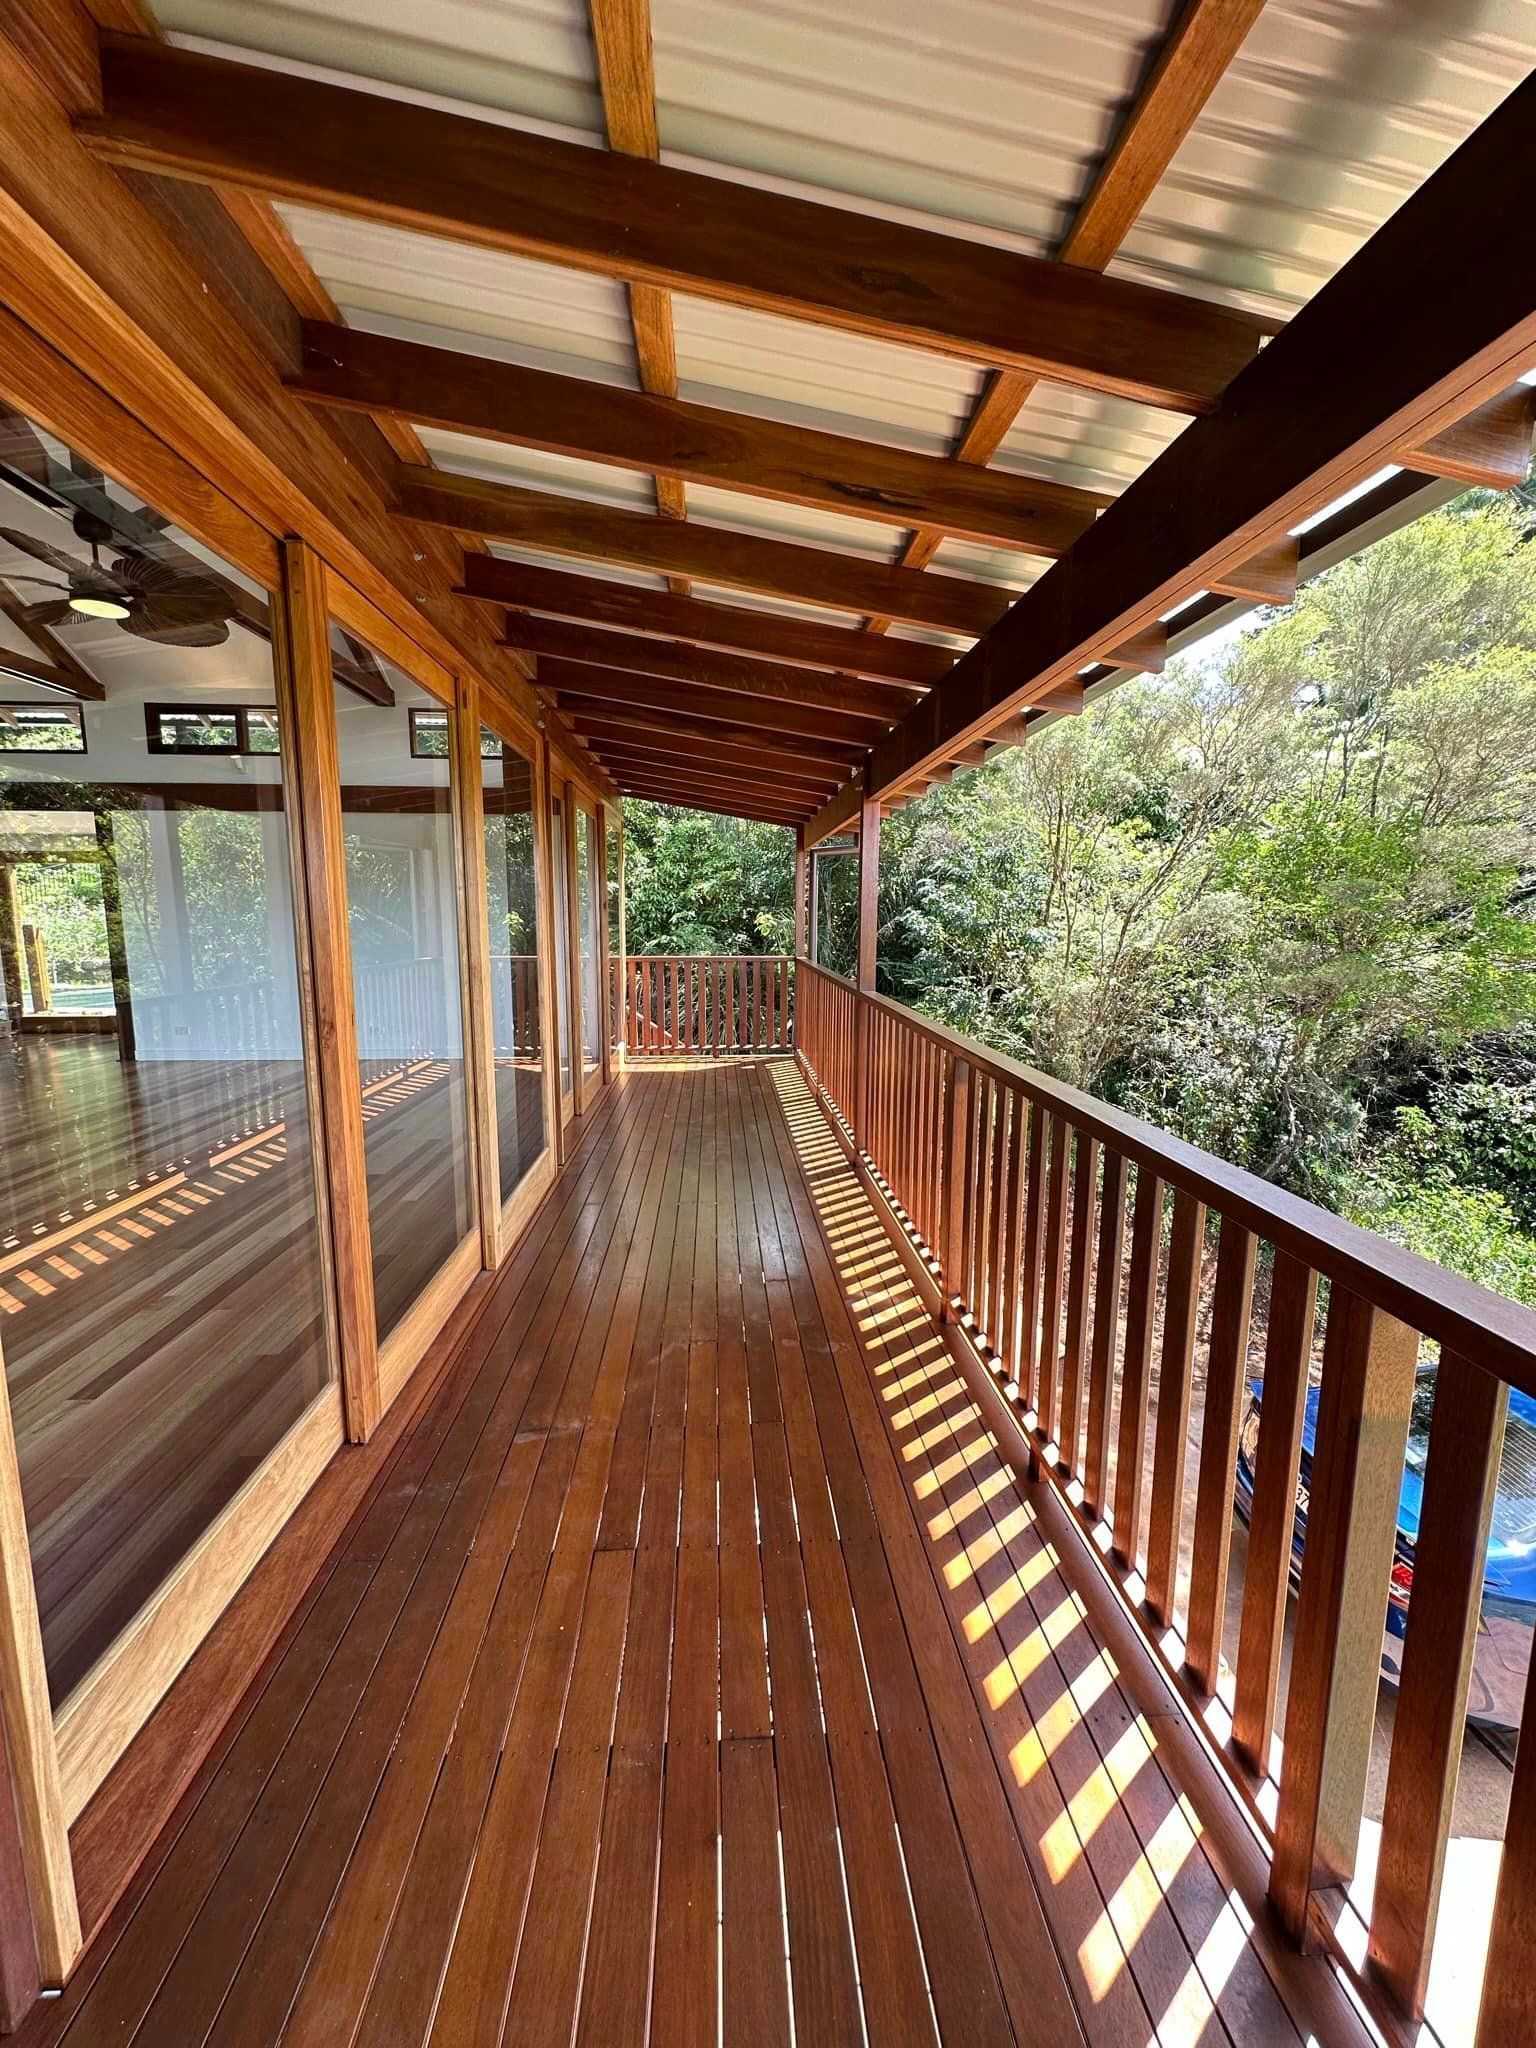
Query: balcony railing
point(707, 1003)
point(1015, 1201)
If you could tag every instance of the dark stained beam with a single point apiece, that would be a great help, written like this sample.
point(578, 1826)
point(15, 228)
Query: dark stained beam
point(693, 700)
point(598, 600)
point(728, 807)
point(1435, 315)
point(53, 650)
point(842, 755)
point(700, 775)
point(702, 761)
point(779, 758)
point(713, 554)
point(576, 416)
point(52, 675)
point(365, 154)
point(644, 656)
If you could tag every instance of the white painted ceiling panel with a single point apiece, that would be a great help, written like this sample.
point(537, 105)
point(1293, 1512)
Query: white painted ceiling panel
point(597, 482)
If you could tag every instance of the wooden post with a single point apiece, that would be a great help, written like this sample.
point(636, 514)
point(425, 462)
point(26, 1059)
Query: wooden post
point(117, 945)
point(479, 1041)
point(26, 1717)
point(1357, 1475)
point(306, 709)
point(800, 903)
point(955, 1194)
point(869, 923)
point(10, 946)
point(621, 1022)
point(547, 937)
point(814, 909)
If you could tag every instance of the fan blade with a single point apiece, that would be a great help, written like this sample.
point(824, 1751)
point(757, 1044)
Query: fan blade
point(166, 628)
point(42, 551)
point(52, 611)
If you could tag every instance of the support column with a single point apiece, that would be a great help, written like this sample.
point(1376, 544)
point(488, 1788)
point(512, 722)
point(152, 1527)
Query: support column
point(307, 712)
point(869, 921)
point(800, 902)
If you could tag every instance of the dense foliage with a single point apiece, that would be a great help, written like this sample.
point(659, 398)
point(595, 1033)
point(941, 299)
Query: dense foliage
point(1279, 900)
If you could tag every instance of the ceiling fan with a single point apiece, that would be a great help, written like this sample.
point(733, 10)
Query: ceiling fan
point(172, 607)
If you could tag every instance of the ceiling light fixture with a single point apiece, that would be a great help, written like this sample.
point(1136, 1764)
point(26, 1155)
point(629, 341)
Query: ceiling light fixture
point(99, 607)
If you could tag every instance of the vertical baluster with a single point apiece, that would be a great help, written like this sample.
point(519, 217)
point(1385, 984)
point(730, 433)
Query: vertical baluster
point(1357, 1470)
point(997, 1216)
point(981, 1201)
point(1034, 1250)
point(1225, 1377)
point(1141, 1308)
point(956, 1123)
point(1272, 1512)
point(1010, 1276)
point(1053, 1274)
point(1466, 1435)
point(1508, 2012)
point(1106, 1332)
point(1079, 1275)
point(1174, 1388)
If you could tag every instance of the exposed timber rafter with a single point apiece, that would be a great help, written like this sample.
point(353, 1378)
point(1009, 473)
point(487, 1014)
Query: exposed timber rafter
point(780, 764)
point(694, 701)
point(841, 755)
point(621, 39)
point(643, 656)
point(211, 120)
point(1434, 316)
point(1194, 56)
point(600, 601)
point(638, 430)
point(714, 554)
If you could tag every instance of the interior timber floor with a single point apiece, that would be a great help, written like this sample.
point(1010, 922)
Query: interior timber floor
point(697, 1671)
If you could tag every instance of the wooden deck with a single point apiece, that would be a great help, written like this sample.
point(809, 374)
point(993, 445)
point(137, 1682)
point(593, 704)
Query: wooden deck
point(696, 1670)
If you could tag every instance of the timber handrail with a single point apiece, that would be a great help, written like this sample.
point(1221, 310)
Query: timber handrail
point(705, 1004)
point(1080, 1262)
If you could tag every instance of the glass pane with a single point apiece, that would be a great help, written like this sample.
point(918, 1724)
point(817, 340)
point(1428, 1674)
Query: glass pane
point(402, 911)
point(586, 912)
point(161, 1277)
point(562, 944)
point(188, 728)
point(511, 909)
point(41, 728)
point(615, 948)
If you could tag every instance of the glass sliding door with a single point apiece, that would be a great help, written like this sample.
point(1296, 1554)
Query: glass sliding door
point(589, 946)
point(512, 932)
point(163, 1280)
point(394, 744)
point(560, 868)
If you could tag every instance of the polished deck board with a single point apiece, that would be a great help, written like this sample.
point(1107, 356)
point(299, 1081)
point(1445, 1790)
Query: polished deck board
point(697, 1673)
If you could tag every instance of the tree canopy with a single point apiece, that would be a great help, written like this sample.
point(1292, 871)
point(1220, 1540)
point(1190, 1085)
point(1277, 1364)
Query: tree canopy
point(1278, 900)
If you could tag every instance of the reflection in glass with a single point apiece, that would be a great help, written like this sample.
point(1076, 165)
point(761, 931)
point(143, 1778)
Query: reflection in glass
point(511, 909)
point(586, 915)
point(615, 941)
point(402, 913)
point(161, 1289)
point(562, 943)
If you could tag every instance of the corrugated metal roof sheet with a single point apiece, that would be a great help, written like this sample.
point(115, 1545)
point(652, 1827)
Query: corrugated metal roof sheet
point(981, 117)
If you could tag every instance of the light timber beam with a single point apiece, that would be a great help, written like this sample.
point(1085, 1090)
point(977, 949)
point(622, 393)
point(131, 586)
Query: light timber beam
point(552, 638)
point(577, 416)
point(598, 600)
point(713, 554)
point(1435, 314)
point(1195, 54)
point(1269, 577)
point(680, 726)
point(695, 701)
point(377, 158)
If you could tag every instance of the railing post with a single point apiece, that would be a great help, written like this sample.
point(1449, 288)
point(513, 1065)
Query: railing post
point(801, 906)
point(1357, 1472)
